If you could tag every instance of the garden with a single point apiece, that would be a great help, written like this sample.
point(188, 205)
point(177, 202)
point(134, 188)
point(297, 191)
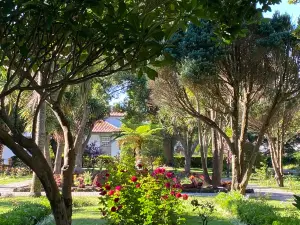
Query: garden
point(149, 112)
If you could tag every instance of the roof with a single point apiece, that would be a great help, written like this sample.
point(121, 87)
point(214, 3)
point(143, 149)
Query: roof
point(102, 126)
point(117, 114)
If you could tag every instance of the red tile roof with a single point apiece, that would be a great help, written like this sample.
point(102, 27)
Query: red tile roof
point(104, 127)
point(117, 114)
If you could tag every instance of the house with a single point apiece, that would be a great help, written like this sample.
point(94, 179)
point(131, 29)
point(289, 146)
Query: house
point(103, 136)
point(104, 133)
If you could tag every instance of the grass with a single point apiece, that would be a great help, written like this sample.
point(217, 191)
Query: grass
point(10, 179)
point(291, 183)
point(86, 211)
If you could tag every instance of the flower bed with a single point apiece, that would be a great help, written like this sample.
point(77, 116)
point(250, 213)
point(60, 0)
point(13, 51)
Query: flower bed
point(137, 197)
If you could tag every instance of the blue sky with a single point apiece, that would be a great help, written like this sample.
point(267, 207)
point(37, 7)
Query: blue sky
point(285, 7)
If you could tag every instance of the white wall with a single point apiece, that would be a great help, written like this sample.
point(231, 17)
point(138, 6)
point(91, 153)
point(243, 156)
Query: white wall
point(95, 138)
point(115, 150)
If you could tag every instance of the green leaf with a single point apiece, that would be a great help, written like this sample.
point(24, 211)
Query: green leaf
point(151, 73)
point(122, 8)
point(24, 50)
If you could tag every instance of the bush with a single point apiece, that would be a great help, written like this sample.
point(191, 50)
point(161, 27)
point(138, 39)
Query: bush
point(136, 197)
point(253, 212)
point(26, 213)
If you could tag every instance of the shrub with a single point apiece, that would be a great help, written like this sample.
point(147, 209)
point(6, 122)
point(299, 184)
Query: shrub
point(136, 197)
point(26, 213)
point(253, 212)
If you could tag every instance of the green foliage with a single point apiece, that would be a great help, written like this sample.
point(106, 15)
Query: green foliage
point(262, 172)
point(203, 209)
point(87, 177)
point(151, 151)
point(135, 197)
point(26, 213)
point(254, 212)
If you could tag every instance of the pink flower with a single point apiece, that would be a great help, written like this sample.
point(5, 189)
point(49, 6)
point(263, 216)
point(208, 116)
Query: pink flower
point(138, 185)
point(169, 174)
point(111, 192)
point(133, 178)
point(113, 209)
point(167, 185)
point(172, 192)
point(178, 195)
point(185, 196)
point(118, 188)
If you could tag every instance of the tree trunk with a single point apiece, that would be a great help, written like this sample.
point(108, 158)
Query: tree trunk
point(40, 140)
point(168, 151)
point(79, 141)
point(217, 171)
point(207, 179)
point(47, 150)
point(187, 163)
point(275, 152)
point(58, 158)
point(1, 153)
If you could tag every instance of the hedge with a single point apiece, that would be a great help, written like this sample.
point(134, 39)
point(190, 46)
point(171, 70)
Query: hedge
point(253, 212)
point(25, 213)
point(195, 162)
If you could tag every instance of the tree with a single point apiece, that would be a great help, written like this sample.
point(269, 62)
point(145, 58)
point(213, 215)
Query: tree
point(74, 41)
point(182, 127)
point(135, 137)
point(233, 81)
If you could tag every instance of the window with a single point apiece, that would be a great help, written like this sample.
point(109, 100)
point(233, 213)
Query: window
point(105, 141)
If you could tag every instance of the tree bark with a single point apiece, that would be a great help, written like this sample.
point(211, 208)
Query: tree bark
point(202, 149)
point(40, 139)
point(58, 158)
point(1, 153)
point(79, 140)
point(47, 150)
point(168, 151)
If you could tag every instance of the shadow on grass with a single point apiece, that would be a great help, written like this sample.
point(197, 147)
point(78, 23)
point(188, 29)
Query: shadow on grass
point(195, 220)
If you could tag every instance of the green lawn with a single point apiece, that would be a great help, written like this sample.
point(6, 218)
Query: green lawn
point(10, 179)
point(86, 211)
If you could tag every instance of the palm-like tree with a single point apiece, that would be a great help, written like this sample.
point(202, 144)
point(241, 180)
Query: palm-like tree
point(135, 137)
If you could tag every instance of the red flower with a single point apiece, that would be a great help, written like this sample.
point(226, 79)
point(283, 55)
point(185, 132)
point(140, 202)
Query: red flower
point(139, 165)
point(98, 184)
point(138, 185)
point(103, 192)
point(178, 195)
point(185, 196)
point(164, 197)
point(113, 209)
point(116, 199)
point(107, 186)
point(107, 175)
point(111, 192)
point(133, 178)
point(118, 188)
point(167, 185)
point(169, 174)
point(120, 207)
point(172, 193)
